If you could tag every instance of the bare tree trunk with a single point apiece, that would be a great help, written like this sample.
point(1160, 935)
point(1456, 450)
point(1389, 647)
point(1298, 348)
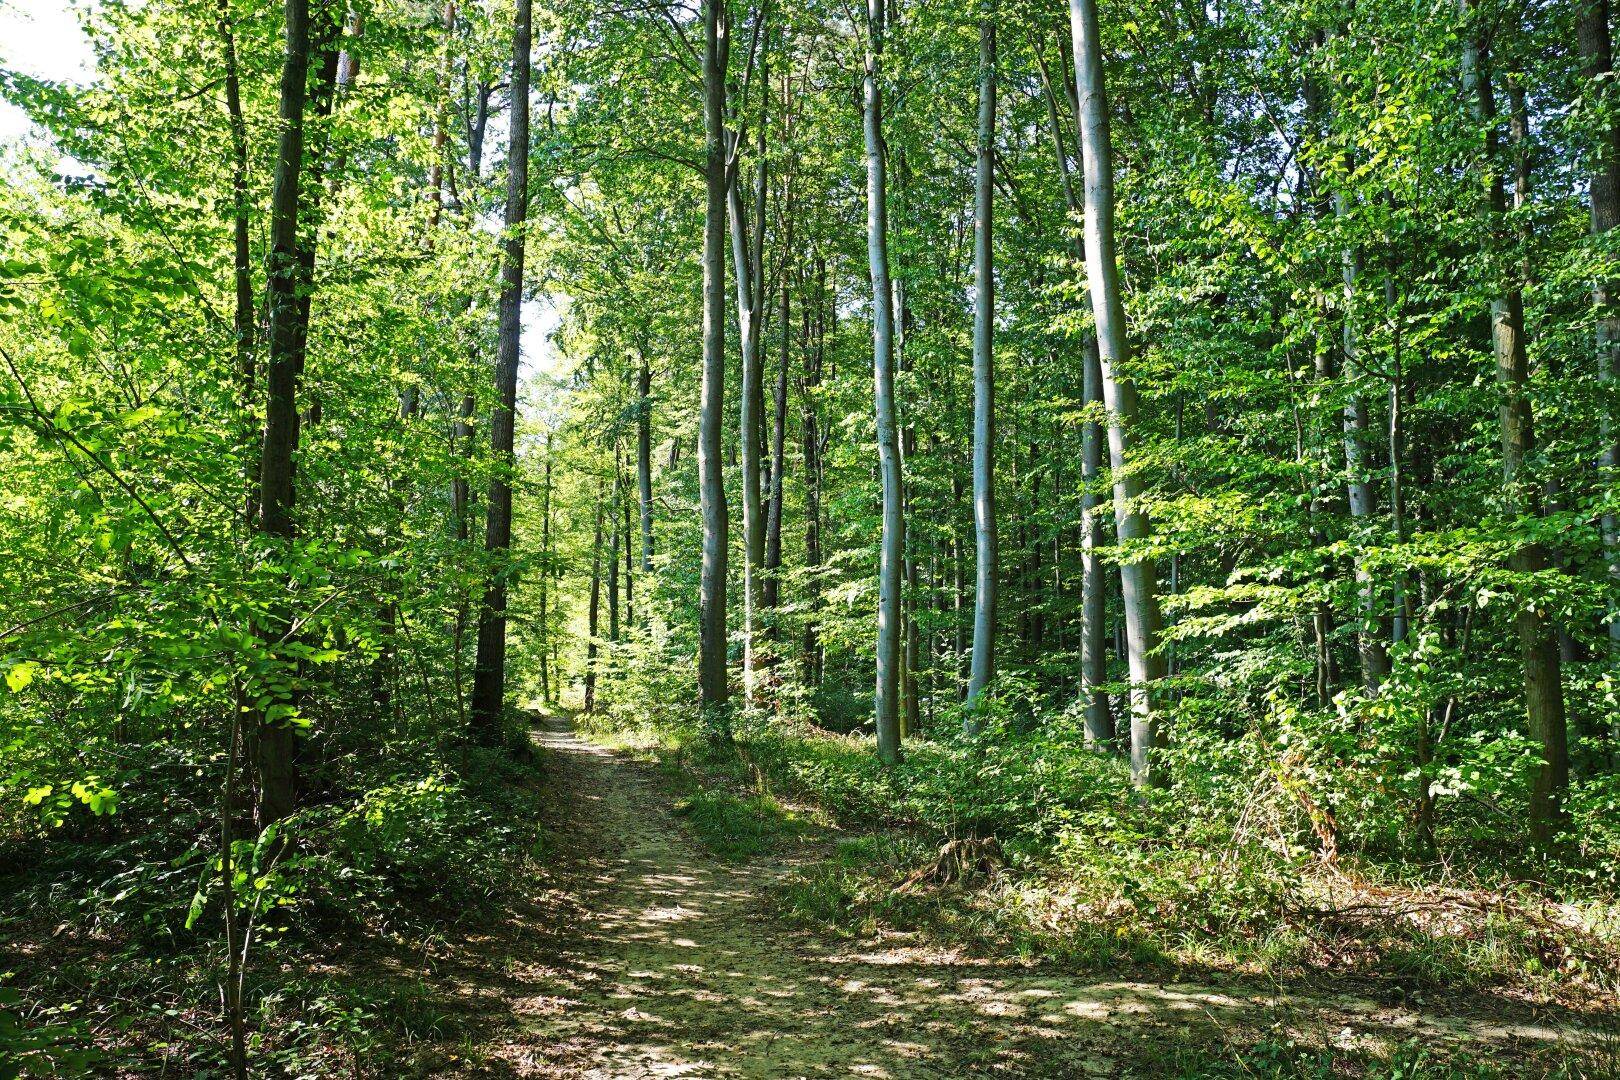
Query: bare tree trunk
point(613, 552)
point(1598, 57)
point(1543, 685)
point(772, 590)
point(1370, 635)
point(1094, 581)
point(711, 467)
point(810, 432)
point(983, 665)
point(887, 696)
point(1137, 577)
point(276, 742)
point(750, 311)
point(489, 670)
point(594, 617)
point(546, 672)
point(242, 254)
point(1099, 719)
point(644, 465)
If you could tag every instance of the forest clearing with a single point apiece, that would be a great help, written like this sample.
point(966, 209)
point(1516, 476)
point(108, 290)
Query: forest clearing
point(733, 538)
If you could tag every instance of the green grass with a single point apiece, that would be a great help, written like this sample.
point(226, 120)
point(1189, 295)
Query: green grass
point(739, 828)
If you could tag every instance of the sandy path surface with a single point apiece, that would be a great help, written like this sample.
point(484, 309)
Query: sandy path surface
point(663, 961)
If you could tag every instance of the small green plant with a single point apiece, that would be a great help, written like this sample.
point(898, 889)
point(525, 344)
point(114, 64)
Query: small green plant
point(737, 828)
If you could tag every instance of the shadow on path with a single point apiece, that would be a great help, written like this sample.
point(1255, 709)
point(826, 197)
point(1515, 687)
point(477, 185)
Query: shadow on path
point(665, 962)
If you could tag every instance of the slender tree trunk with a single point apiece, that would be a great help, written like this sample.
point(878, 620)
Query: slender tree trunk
point(1538, 649)
point(545, 579)
point(750, 308)
point(613, 552)
point(711, 466)
point(594, 616)
point(1094, 581)
point(1099, 719)
point(909, 704)
point(772, 590)
point(440, 127)
point(983, 665)
point(644, 465)
point(276, 743)
point(1598, 60)
point(242, 254)
point(1370, 636)
point(811, 440)
point(1137, 577)
point(887, 697)
point(489, 670)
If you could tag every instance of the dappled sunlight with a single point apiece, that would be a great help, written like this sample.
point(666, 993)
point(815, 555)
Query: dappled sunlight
point(668, 964)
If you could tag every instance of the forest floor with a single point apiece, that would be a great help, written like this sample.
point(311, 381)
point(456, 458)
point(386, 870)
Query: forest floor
point(640, 954)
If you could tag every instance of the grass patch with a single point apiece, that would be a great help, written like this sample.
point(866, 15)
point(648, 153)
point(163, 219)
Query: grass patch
point(738, 828)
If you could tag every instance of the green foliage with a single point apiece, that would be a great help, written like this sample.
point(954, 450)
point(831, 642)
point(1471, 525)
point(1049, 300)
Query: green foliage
point(738, 828)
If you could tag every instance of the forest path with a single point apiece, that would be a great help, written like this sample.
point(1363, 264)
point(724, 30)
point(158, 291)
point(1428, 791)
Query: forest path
point(661, 960)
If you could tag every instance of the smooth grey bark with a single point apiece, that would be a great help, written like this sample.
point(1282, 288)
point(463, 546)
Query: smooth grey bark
point(1138, 578)
point(1099, 718)
point(981, 668)
point(489, 668)
point(644, 461)
point(545, 579)
point(1359, 484)
point(770, 593)
point(811, 441)
point(747, 261)
point(892, 550)
point(910, 711)
point(613, 550)
point(1538, 648)
point(711, 466)
point(593, 623)
point(1597, 55)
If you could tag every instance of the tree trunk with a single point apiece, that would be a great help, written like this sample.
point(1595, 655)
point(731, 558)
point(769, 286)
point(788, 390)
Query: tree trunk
point(613, 552)
point(983, 665)
point(276, 743)
point(810, 433)
point(772, 585)
point(1099, 719)
point(1538, 649)
point(1137, 577)
point(594, 617)
point(242, 254)
point(546, 672)
point(887, 696)
point(644, 465)
point(489, 670)
point(1598, 60)
point(1359, 486)
point(750, 309)
point(711, 466)
point(1094, 581)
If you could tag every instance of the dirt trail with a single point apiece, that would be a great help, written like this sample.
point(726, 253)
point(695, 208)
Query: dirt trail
point(666, 962)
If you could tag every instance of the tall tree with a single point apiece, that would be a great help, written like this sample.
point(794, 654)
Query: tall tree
point(1597, 54)
point(489, 671)
point(747, 256)
point(893, 541)
point(285, 280)
point(711, 469)
point(983, 665)
point(1538, 647)
point(1138, 580)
